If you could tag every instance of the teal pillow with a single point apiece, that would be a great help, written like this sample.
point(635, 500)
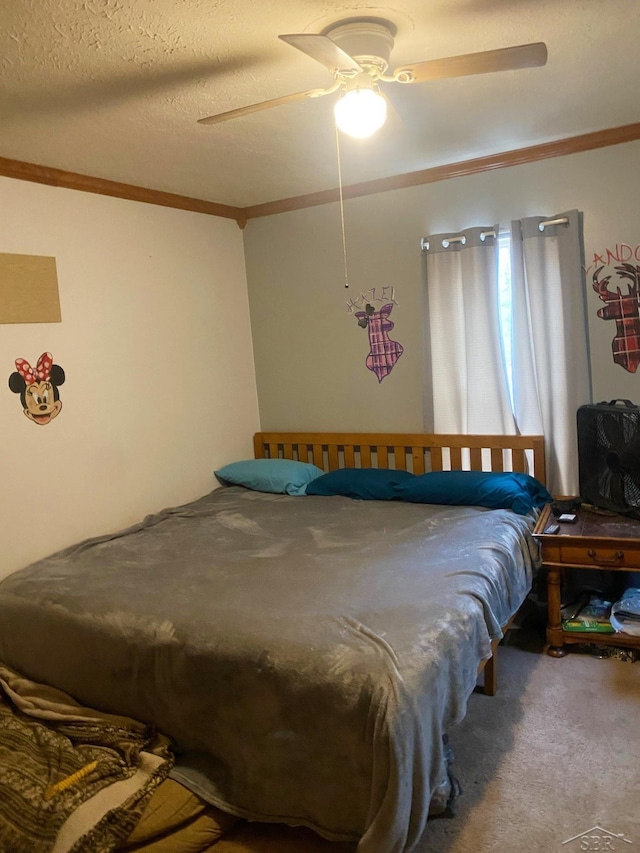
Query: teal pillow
point(368, 484)
point(537, 492)
point(280, 476)
point(495, 490)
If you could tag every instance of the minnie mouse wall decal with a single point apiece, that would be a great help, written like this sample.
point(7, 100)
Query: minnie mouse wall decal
point(38, 388)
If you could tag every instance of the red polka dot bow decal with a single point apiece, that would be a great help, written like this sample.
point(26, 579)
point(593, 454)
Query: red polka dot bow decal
point(40, 373)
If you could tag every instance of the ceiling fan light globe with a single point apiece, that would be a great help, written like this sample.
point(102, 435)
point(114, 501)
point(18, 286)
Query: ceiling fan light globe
point(360, 112)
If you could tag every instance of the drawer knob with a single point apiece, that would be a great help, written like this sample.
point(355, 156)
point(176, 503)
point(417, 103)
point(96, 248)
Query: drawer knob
point(617, 557)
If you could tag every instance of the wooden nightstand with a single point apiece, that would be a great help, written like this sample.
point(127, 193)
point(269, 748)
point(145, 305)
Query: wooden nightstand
point(595, 541)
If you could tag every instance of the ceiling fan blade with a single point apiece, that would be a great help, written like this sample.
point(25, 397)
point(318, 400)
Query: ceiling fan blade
point(504, 59)
point(262, 105)
point(323, 50)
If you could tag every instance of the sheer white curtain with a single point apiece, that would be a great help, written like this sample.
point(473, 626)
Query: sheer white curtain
point(550, 359)
point(468, 382)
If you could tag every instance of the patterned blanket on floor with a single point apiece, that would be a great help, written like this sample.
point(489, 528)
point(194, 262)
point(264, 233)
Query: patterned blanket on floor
point(72, 780)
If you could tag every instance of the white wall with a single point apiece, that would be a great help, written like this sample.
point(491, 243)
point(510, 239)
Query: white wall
point(310, 352)
point(155, 341)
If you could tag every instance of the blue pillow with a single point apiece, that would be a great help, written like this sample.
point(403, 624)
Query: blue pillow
point(280, 476)
point(495, 490)
point(539, 495)
point(368, 484)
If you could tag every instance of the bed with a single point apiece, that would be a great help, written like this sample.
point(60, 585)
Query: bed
point(306, 655)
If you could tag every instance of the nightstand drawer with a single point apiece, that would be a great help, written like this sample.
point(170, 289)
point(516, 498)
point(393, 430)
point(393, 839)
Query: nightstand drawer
point(604, 556)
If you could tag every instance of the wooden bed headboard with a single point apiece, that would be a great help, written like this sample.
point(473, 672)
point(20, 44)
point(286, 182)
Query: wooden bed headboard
point(416, 452)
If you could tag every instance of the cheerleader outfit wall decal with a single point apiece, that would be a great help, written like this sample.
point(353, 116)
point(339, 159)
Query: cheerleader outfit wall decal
point(384, 352)
point(38, 388)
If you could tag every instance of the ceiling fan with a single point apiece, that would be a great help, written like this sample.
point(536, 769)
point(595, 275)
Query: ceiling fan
point(357, 53)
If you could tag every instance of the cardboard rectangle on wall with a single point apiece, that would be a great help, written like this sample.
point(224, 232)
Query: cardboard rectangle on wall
point(28, 289)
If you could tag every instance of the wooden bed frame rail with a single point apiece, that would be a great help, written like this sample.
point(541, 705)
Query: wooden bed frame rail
point(416, 452)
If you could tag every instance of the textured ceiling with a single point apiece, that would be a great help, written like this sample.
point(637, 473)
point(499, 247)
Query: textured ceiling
point(114, 88)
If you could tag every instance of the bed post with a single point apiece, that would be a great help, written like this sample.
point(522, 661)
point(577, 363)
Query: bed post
point(490, 683)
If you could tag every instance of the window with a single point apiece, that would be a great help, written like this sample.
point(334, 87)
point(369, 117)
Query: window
point(528, 368)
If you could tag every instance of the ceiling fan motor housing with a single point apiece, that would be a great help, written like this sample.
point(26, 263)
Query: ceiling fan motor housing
point(369, 42)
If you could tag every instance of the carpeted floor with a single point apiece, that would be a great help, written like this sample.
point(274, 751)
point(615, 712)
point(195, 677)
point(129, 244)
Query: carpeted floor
point(553, 754)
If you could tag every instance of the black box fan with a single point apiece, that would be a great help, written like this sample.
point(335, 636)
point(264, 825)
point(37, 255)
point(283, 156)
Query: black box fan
point(609, 456)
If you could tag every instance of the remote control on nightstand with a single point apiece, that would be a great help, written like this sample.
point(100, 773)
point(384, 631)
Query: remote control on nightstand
point(568, 518)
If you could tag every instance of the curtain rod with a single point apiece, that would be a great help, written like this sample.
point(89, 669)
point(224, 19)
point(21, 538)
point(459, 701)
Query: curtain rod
point(561, 220)
point(424, 243)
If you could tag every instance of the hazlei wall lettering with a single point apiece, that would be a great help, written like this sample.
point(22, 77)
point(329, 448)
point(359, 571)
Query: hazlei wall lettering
point(385, 294)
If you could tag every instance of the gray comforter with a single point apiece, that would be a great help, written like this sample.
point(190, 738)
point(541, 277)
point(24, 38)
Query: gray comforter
point(306, 654)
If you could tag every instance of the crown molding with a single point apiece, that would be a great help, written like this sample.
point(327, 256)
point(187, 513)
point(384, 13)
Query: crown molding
point(517, 157)
point(85, 183)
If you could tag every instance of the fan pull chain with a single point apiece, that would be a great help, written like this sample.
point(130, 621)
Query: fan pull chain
point(344, 236)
